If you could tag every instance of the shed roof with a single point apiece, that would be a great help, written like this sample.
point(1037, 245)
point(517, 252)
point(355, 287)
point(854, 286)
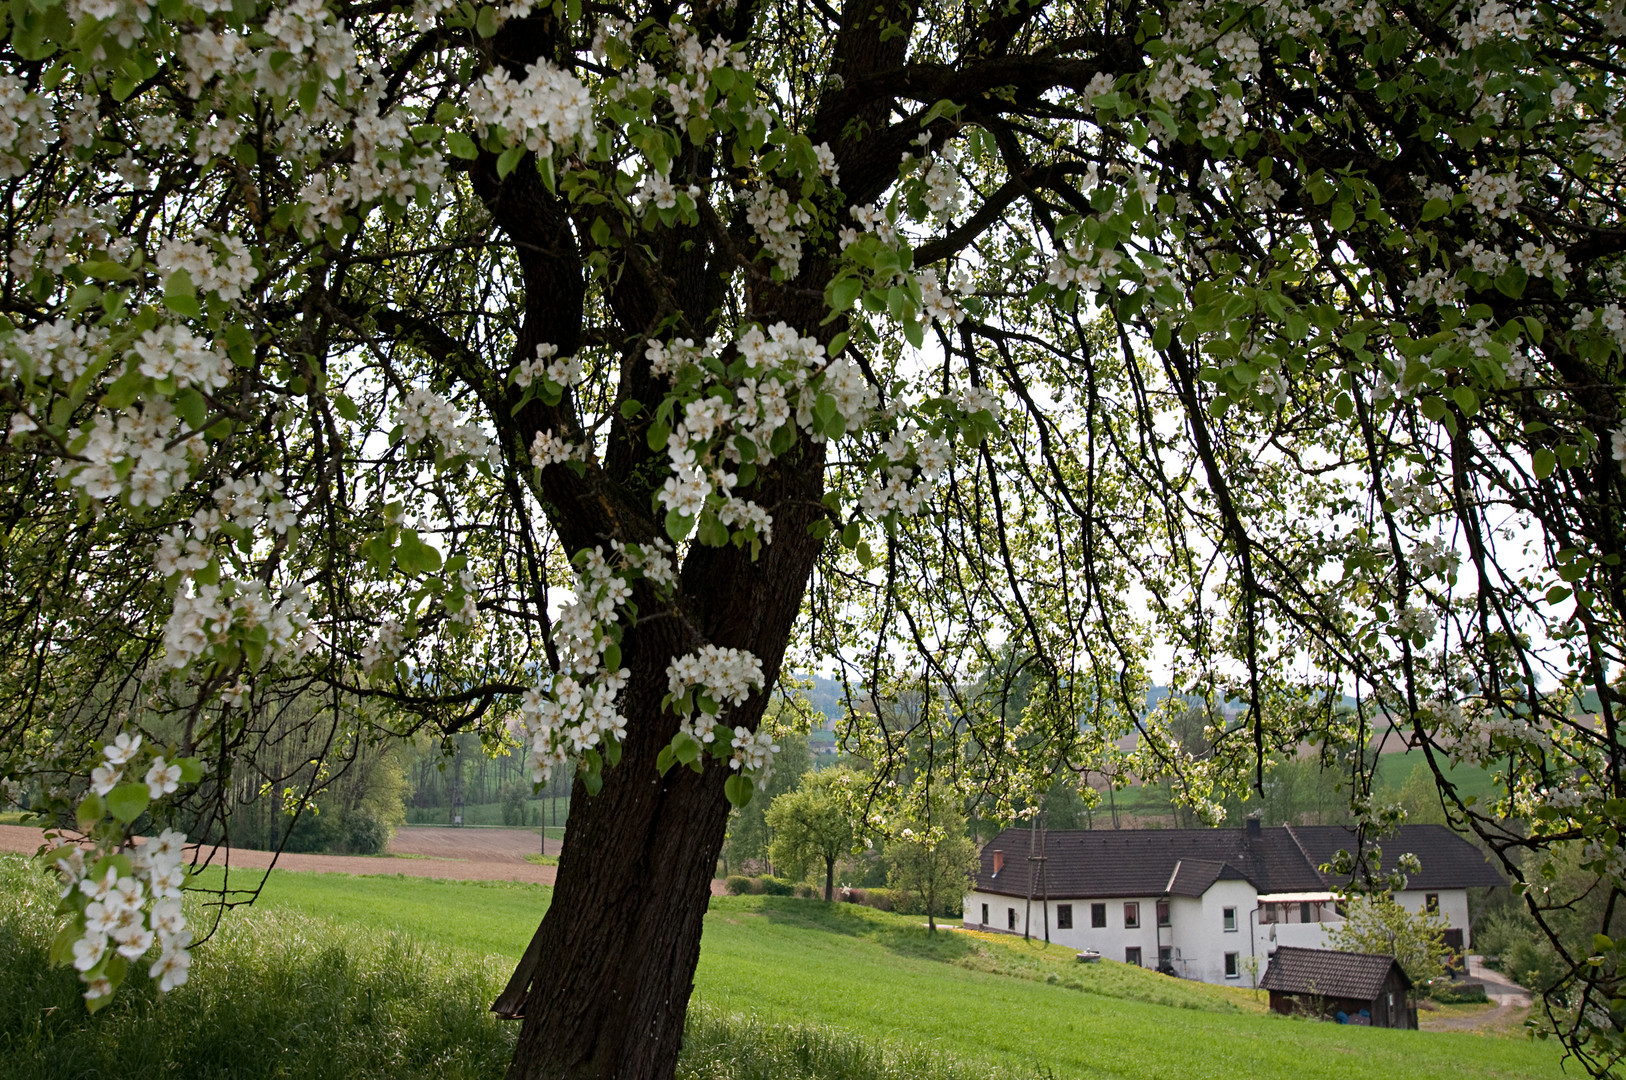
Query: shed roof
point(1105, 863)
point(1329, 973)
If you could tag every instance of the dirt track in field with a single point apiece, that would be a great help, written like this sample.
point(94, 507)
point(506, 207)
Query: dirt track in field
point(466, 854)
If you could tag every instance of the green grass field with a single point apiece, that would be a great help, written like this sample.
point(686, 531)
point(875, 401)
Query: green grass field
point(786, 988)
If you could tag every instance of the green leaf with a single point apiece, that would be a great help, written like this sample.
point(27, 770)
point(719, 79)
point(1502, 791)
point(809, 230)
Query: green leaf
point(678, 526)
point(486, 24)
point(62, 946)
point(738, 789)
point(180, 295)
point(1436, 208)
point(461, 146)
point(1343, 216)
point(686, 748)
point(1544, 462)
point(91, 809)
point(1466, 399)
point(844, 292)
point(106, 271)
point(631, 408)
point(657, 435)
point(191, 407)
point(346, 408)
point(851, 535)
point(127, 801)
point(509, 159)
point(191, 769)
point(612, 656)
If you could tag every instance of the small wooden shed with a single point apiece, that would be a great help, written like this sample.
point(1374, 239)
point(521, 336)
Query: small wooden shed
point(1351, 988)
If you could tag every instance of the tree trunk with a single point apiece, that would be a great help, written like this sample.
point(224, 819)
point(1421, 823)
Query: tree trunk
point(829, 878)
point(605, 983)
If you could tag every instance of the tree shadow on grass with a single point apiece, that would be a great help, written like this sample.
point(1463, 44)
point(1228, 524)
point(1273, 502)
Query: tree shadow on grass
point(904, 935)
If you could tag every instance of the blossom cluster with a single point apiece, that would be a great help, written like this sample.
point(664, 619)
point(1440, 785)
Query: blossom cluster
point(780, 380)
point(548, 364)
point(175, 352)
point(226, 272)
point(1083, 265)
point(235, 615)
point(699, 684)
point(777, 221)
point(576, 712)
point(60, 350)
point(23, 124)
point(549, 109)
point(423, 414)
point(138, 454)
point(123, 896)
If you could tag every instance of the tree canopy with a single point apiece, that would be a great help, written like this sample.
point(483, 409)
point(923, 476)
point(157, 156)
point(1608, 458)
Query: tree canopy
point(546, 370)
point(814, 825)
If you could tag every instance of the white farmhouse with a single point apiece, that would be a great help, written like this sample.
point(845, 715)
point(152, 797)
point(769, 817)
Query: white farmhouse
point(1208, 904)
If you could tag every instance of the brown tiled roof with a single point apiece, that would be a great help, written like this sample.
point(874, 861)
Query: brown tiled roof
point(1105, 863)
point(1329, 973)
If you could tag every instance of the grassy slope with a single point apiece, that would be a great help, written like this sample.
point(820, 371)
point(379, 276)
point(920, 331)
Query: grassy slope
point(867, 972)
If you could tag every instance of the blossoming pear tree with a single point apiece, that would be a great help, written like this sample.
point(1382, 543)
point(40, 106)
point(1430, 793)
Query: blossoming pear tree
point(550, 368)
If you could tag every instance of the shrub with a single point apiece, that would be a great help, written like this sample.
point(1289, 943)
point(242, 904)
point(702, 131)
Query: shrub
point(773, 886)
point(1449, 993)
point(738, 885)
point(880, 899)
point(365, 833)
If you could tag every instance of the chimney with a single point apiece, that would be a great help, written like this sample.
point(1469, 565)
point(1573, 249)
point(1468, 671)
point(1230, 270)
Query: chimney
point(999, 862)
point(1253, 825)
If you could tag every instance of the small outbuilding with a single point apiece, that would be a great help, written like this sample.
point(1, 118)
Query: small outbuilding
point(1351, 988)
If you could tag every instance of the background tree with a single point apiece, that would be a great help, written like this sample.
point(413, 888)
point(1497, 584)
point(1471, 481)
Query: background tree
point(1377, 923)
point(931, 855)
point(813, 825)
point(555, 363)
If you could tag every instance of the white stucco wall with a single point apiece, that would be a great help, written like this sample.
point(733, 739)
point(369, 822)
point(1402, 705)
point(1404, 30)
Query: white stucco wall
point(1197, 932)
point(1453, 908)
point(1110, 941)
point(1202, 938)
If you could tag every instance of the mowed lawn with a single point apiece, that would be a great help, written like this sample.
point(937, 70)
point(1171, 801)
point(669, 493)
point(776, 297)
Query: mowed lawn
point(968, 996)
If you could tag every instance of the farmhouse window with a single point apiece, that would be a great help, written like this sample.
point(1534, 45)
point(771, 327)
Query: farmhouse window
point(1132, 955)
point(1230, 919)
point(1131, 915)
point(1230, 965)
point(1010, 918)
point(1163, 913)
point(1304, 911)
point(1432, 902)
point(1098, 916)
point(985, 914)
point(1064, 916)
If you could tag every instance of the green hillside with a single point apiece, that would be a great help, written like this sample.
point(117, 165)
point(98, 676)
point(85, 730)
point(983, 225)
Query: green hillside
point(853, 977)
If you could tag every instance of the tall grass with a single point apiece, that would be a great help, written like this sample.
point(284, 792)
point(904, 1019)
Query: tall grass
point(288, 996)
